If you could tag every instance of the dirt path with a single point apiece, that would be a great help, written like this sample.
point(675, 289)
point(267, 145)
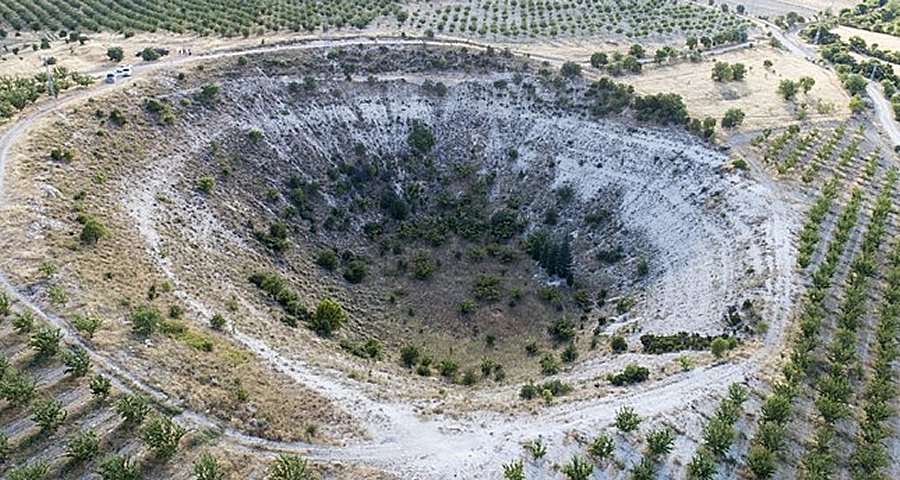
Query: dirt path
point(401, 440)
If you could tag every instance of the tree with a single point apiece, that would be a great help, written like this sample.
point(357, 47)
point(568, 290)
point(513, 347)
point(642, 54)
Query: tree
point(626, 419)
point(738, 71)
point(290, 467)
point(83, 446)
point(513, 470)
point(602, 447)
point(150, 54)
point(855, 84)
point(17, 388)
point(644, 470)
point(48, 414)
point(162, 435)
point(118, 467)
point(133, 407)
point(718, 435)
point(761, 462)
point(806, 84)
point(206, 467)
point(722, 72)
point(659, 442)
point(599, 59)
point(91, 231)
point(664, 108)
point(100, 386)
point(329, 317)
point(732, 118)
point(76, 361)
point(45, 341)
point(637, 50)
point(23, 321)
point(570, 70)
point(788, 89)
point(702, 465)
point(115, 54)
point(145, 319)
point(631, 64)
point(578, 469)
point(32, 471)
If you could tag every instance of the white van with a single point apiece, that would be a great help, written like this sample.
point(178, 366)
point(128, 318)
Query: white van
point(127, 71)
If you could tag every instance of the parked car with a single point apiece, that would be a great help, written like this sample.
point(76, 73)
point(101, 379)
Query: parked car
point(111, 77)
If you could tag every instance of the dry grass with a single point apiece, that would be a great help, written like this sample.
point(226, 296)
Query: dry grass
point(883, 40)
point(756, 95)
point(110, 278)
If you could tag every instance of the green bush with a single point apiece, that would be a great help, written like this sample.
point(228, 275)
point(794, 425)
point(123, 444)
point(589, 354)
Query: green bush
point(549, 364)
point(145, 319)
point(409, 356)
point(355, 272)
point(618, 344)
point(420, 138)
point(487, 287)
point(633, 373)
point(327, 259)
point(115, 54)
point(423, 267)
point(328, 318)
point(733, 117)
point(448, 368)
point(562, 330)
point(217, 322)
point(663, 108)
point(92, 231)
